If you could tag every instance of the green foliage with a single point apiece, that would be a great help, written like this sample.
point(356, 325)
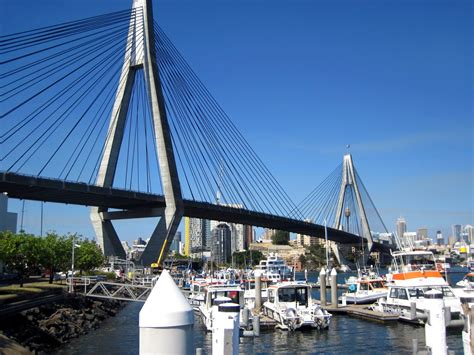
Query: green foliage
point(27, 254)
point(281, 238)
point(88, 256)
point(243, 258)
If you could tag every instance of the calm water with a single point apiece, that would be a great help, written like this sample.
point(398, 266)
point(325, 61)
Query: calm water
point(119, 335)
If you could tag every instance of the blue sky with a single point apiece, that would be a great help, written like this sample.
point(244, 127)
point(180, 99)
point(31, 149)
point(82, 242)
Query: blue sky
point(302, 79)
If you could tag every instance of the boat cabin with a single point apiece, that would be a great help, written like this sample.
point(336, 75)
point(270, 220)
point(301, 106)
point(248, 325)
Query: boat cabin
point(235, 294)
point(298, 294)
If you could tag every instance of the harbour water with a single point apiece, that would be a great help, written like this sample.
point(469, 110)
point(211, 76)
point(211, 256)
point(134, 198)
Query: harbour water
point(120, 335)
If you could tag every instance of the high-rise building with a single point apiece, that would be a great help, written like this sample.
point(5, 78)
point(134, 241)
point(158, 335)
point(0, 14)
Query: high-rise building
point(221, 244)
point(238, 234)
point(175, 243)
point(456, 232)
point(197, 235)
point(401, 227)
point(249, 236)
point(422, 234)
point(8, 220)
point(439, 238)
point(470, 233)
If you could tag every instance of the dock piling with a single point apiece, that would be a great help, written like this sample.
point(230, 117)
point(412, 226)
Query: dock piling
point(334, 301)
point(258, 294)
point(322, 285)
point(435, 327)
point(225, 330)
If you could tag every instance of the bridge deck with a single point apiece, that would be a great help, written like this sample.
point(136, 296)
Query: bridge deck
point(51, 190)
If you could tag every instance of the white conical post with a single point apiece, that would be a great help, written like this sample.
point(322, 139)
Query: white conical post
point(166, 320)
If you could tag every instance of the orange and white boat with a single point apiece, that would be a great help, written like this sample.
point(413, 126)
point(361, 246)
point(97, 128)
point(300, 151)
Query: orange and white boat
point(412, 274)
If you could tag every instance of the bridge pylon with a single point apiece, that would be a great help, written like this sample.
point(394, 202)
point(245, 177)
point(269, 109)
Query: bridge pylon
point(349, 182)
point(140, 54)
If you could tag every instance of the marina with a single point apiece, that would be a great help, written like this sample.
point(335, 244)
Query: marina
point(347, 332)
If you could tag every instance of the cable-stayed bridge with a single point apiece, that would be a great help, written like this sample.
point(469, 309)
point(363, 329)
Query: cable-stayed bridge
point(105, 112)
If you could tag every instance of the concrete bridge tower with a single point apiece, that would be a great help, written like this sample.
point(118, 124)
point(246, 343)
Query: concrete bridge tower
point(140, 55)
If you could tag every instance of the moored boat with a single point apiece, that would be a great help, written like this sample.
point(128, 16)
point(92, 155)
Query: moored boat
point(366, 289)
point(218, 294)
point(413, 274)
point(290, 304)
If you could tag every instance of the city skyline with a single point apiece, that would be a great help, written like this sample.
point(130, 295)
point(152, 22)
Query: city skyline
point(399, 95)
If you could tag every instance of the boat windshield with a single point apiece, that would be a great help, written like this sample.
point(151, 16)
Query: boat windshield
point(419, 292)
point(233, 295)
point(377, 284)
point(470, 278)
point(423, 261)
point(297, 294)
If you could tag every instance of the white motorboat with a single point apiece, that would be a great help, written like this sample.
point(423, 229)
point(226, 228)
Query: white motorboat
point(467, 281)
point(218, 294)
point(365, 289)
point(249, 291)
point(413, 274)
point(290, 304)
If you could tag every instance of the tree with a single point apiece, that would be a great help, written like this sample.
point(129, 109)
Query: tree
point(281, 238)
point(56, 254)
point(88, 256)
point(20, 253)
point(243, 258)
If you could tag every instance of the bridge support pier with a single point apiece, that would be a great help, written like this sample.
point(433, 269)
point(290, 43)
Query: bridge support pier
point(141, 55)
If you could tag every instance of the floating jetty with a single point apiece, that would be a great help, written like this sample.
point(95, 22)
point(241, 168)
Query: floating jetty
point(362, 311)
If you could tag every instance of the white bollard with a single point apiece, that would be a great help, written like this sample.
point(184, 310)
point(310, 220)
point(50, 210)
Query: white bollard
point(258, 294)
point(435, 327)
point(166, 320)
point(322, 286)
point(225, 330)
point(468, 331)
point(334, 301)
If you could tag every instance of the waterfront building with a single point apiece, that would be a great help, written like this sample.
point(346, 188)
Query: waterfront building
point(308, 240)
point(439, 238)
point(8, 220)
point(221, 251)
point(456, 230)
point(401, 227)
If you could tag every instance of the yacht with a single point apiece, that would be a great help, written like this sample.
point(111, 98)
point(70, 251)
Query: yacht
point(274, 268)
point(290, 304)
point(413, 273)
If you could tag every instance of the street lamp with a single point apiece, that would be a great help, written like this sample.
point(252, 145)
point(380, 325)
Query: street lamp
point(71, 281)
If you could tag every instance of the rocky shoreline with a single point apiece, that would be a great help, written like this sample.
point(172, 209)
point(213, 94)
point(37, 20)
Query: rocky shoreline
point(45, 328)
